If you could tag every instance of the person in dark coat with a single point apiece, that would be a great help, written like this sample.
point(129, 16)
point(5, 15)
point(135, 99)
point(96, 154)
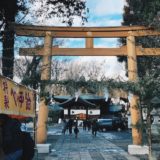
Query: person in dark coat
point(88, 125)
point(11, 138)
point(94, 128)
point(84, 124)
point(28, 146)
point(76, 131)
point(1, 149)
point(70, 125)
point(65, 126)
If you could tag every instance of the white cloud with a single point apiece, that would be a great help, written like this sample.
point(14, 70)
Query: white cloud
point(99, 8)
point(105, 7)
point(43, 11)
point(73, 43)
point(105, 12)
point(103, 22)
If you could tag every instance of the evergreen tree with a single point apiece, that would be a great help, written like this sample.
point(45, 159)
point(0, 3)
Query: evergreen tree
point(147, 13)
point(9, 10)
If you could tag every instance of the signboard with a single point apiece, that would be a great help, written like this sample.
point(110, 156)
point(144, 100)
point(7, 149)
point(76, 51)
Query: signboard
point(16, 99)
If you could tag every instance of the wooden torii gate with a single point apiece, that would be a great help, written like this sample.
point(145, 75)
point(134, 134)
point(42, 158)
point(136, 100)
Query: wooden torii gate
point(130, 50)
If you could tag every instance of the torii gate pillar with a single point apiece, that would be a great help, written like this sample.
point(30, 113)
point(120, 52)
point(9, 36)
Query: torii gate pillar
point(45, 75)
point(132, 74)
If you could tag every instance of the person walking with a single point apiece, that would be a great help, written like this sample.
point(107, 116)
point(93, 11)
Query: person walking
point(76, 131)
point(88, 125)
point(65, 126)
point(84, 125)
point(70, 125)
point(94, 127)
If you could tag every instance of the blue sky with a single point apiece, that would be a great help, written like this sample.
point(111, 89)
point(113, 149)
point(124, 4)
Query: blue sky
point(101, 13)
point(105, 12)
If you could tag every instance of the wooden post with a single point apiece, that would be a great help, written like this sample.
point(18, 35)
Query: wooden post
point(89, 43)
point(45, 75)
point(46, 60)
point(42, 122)
point(132, 74)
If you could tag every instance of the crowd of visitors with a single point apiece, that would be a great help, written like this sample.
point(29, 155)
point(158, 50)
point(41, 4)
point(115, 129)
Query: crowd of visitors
point(87, 125)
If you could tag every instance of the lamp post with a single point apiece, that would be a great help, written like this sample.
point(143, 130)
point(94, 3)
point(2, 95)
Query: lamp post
point(154, 102)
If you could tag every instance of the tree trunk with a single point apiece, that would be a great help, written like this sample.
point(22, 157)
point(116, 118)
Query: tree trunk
point(8, 53)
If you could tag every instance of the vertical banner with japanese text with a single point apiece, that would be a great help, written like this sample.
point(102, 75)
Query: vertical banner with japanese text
point(16, 99)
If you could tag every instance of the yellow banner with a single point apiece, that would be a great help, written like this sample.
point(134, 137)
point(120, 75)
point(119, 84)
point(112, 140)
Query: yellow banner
point(16, 99)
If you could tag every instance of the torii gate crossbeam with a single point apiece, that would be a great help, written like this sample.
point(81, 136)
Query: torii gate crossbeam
point(122, 51)
point(84, 32)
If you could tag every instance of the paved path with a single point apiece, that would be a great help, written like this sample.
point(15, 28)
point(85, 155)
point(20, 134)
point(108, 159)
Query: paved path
point(85, 147)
